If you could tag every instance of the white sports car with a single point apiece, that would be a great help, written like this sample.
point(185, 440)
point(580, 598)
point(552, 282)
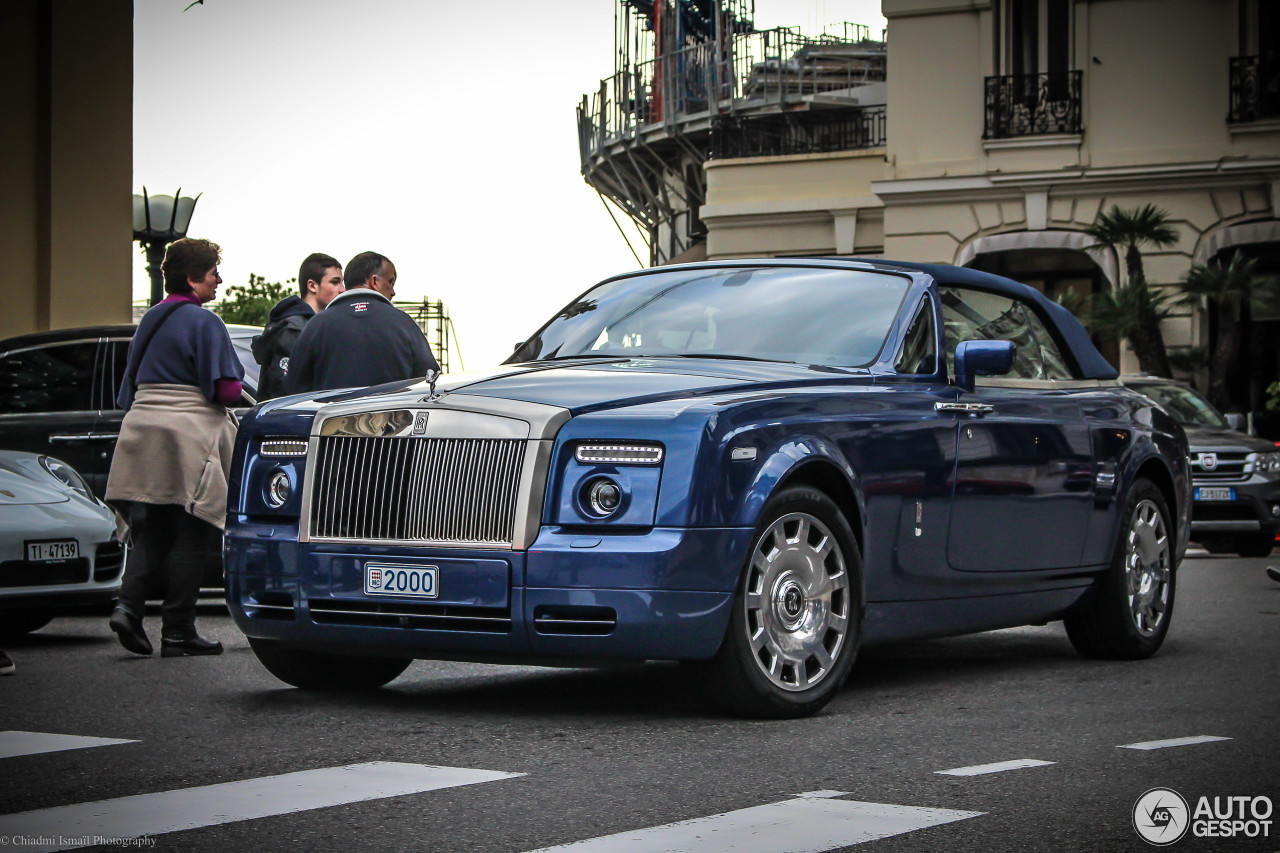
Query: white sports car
point(58, 546)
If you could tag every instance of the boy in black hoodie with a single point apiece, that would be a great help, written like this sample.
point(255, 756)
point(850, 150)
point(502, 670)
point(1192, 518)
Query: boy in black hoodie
point(319, 280)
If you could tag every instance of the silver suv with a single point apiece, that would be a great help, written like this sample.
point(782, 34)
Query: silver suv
point(1236, 477)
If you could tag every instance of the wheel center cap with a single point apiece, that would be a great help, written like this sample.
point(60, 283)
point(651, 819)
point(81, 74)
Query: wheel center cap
point(789, 603)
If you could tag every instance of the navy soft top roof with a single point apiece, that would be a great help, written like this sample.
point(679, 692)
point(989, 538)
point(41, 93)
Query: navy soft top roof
point(1073, 332)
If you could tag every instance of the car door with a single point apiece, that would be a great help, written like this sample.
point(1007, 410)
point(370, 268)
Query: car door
point(113, 364)
point(49, 405)
point(911, 465)
point(1023, 485)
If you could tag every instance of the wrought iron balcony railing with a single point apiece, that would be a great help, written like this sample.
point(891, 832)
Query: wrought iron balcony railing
point(1255, 89)
point(798, 133)
point(1032, 104)
point(777, 66)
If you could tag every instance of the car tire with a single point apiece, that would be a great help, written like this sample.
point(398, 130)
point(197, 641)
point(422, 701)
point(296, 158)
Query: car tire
point(312, 670)
point(1129, 614)
point(17, 624)
point(797, 615)
point(1253, 545)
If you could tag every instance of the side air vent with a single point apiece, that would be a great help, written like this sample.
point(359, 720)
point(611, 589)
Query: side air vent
point(271, 605)
point(108, 561)
point(574, 621)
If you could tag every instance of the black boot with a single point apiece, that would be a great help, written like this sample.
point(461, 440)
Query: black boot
point(177, 645)
point(129, 629)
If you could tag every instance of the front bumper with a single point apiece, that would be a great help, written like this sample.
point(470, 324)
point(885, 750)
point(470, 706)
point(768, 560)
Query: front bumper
point(1250, 512)
point(92, 578)
point(663, 593)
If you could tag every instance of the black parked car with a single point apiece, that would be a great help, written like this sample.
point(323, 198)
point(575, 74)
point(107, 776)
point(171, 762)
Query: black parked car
point(1236, 477)
point(57, 398)
point(58, 392)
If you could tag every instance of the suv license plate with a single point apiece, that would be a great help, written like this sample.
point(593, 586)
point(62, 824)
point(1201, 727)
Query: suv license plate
point(417, 581)
point(53, 551)
point(1215, 493)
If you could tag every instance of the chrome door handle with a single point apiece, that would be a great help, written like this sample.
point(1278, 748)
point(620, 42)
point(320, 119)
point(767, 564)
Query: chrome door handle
point(965, 408)
point(85, 436)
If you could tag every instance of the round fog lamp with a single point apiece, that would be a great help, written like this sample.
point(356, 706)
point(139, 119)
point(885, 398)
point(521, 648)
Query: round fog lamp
point(604, 496)
point(278, 489)
point(1275, 510)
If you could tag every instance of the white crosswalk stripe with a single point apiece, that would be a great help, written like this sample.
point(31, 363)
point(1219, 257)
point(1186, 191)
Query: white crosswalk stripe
point(33, 743)
point(68, 827)
point(997, 767)
point(1177, 741)
point(811, 823)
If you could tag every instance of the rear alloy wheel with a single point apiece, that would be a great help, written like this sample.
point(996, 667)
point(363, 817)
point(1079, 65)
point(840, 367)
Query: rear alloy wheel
point(1253, 545)
point(1129, 616)
point(797, 617)
point(312, 670)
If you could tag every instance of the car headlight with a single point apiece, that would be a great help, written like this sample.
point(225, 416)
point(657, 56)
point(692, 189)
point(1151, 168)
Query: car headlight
point(611, 483)
point(611, 453)
point(278, 490)
point(601, 497)
point(68, 476)
point(1267, 463)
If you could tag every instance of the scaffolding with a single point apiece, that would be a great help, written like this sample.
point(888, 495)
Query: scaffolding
point(687, 68)
point(433, 319)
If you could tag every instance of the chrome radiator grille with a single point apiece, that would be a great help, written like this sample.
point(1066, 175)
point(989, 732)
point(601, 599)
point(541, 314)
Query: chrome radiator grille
point(1230, 466)
point(446, 490)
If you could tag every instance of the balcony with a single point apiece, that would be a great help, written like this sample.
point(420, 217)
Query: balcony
point(1255, 89)
point(1032, 105)
point(798, 133)
point(683, 91)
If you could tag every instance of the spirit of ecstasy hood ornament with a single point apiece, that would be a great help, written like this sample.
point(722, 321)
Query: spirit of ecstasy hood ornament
point(431, 377)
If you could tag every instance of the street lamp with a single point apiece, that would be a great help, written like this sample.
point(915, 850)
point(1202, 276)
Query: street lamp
point(158, 220)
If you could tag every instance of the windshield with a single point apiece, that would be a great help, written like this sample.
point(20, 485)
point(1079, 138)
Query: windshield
point(1187, 407)
point(795, 314)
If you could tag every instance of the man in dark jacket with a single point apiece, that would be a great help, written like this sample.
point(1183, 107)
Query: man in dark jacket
point(361, 339)
point(319, 281)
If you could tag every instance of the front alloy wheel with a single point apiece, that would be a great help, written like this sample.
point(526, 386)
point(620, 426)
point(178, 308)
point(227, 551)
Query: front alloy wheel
point(1147, 568)
point(1128, 615)
point(796, 606)
point(797, 617)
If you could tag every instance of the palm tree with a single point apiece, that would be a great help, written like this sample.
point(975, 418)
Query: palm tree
point(1228, 288)
point(1118, 311)
point(1129, 230)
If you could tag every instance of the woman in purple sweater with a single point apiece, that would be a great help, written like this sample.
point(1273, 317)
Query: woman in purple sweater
point(169, 472)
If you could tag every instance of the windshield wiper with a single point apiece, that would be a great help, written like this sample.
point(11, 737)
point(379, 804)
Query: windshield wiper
point(624, 356)
point(726, 356)
point(612, 355)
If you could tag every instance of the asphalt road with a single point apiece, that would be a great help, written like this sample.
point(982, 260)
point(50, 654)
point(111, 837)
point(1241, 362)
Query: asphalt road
point(603, 752)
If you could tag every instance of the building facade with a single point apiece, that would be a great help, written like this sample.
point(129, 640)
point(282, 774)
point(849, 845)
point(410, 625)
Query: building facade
point(1012, 123)
point(66, 163)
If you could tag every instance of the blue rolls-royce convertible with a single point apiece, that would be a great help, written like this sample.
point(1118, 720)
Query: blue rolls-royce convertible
point(752, 467)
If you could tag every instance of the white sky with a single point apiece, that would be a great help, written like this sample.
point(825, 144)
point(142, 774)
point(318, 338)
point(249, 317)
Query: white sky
point(439, 133)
